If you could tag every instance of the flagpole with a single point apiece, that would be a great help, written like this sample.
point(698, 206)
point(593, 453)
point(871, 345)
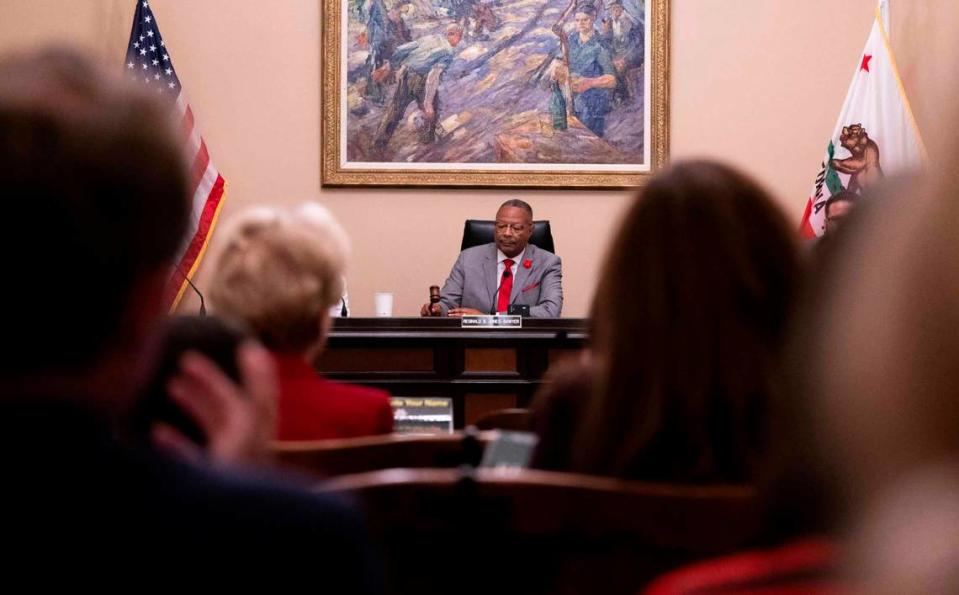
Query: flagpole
point(884, 11)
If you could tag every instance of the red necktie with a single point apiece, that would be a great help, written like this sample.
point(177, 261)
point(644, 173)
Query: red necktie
point(505, 287)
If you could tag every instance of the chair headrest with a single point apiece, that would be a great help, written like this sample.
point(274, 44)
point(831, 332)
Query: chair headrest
point(477, 232)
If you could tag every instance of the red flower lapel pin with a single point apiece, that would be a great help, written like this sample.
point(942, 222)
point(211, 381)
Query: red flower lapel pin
point(528, 263)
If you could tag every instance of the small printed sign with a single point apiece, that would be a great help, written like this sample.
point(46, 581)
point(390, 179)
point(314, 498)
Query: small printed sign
point(491, 321)
point(422, 415)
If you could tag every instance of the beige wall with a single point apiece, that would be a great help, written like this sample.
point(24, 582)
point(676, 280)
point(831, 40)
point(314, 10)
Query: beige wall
point(755, 82)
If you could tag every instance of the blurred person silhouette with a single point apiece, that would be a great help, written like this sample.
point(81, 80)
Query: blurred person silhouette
point(801, 545)
point(687, 327)
point(278, 273)
point(92, 163)
point(888, 336)
point(205, 426)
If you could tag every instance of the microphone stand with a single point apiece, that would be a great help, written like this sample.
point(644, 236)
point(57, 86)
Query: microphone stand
point(492, 310)
point(194, 287)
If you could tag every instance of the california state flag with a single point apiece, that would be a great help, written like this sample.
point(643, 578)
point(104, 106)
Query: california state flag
point(876, 134)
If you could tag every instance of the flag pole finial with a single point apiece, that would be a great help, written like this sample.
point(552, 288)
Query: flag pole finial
point(884, 12)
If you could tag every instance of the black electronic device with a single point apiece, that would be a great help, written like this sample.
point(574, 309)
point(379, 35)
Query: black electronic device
point(518, 310)
point(510, 450)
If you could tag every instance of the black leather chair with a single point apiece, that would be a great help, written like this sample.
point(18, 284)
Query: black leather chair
point(477, 232)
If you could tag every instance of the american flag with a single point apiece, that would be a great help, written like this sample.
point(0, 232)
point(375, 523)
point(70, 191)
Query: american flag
point(148, 62)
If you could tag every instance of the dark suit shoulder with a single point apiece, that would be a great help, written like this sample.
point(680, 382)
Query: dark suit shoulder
point(81, 494)
point(231, 508)
point(264, 517)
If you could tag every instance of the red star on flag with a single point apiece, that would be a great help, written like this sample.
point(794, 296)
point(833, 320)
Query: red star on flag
point(865, 62)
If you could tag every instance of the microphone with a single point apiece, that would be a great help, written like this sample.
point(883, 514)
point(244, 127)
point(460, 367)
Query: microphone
point(506, 275)
point(202, 301)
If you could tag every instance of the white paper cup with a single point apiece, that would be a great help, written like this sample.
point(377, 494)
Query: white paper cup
point(383, 303)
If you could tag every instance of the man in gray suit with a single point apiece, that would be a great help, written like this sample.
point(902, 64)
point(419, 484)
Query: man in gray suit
point(488, 279)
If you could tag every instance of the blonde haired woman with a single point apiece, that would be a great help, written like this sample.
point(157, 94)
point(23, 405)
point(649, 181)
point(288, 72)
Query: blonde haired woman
point(279, 273)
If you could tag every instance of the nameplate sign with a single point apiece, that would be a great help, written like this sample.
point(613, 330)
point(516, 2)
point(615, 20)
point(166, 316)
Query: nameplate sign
point(422, 415)
point(489, 321)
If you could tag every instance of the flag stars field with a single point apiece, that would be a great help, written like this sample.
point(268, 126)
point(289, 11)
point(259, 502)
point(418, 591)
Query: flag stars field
point(207, 185)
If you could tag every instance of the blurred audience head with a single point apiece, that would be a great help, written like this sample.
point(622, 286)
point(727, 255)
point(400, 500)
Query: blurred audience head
point(279, 272)
point(209, 336)
point(688, 322)
point(886, 343)
point(803, 493)
point(96, 207)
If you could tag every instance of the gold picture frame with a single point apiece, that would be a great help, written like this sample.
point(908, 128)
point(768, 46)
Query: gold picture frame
point(342, 140)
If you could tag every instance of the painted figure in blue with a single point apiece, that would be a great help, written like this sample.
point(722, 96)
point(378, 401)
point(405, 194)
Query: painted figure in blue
point(418, 65)
point(591, 72)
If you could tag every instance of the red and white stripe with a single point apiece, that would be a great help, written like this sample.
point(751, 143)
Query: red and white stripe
point(206, 185)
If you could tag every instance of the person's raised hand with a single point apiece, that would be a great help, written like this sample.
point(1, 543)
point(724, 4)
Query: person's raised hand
point(239, 420)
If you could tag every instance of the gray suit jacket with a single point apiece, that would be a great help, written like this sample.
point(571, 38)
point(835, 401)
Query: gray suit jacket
point(473, 282)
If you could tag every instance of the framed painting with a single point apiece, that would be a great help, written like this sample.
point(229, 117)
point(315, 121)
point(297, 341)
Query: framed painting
point(494, 93)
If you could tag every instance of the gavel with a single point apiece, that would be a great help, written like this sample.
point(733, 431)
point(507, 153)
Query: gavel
point(434, 297)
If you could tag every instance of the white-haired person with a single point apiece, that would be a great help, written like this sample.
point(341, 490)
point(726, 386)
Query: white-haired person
point(279, 273)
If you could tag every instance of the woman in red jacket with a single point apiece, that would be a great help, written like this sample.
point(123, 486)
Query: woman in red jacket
point(279, 273)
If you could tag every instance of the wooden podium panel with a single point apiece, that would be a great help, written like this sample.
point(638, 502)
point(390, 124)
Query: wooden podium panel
point(490, 359)
point(476, 405)
point(386, 359)
point(482, 370)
